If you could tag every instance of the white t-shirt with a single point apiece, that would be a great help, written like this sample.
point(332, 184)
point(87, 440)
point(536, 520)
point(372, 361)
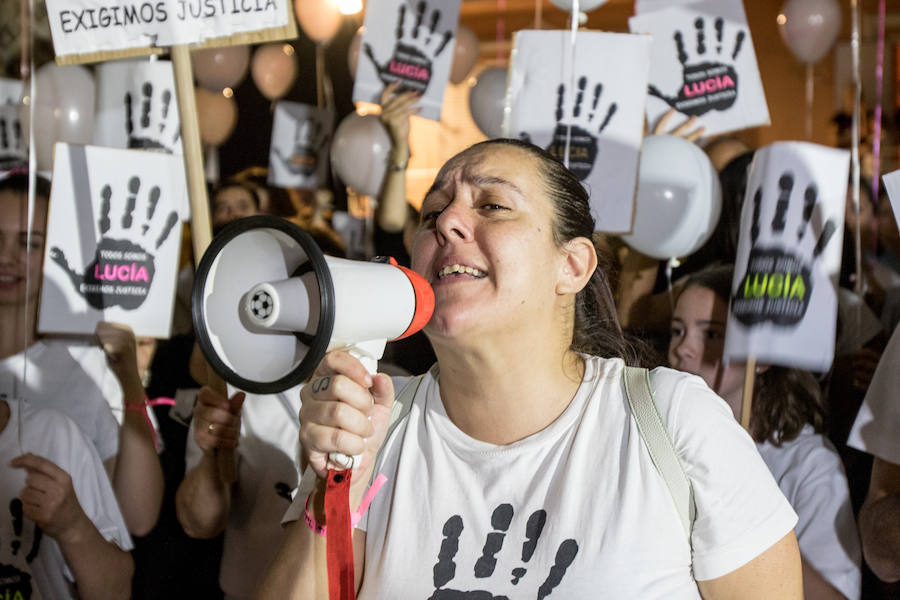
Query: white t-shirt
point(809, 471)
point(266, 476)
point(38, 559)
point(72, 378)
point(577, 510)
point(876, 429)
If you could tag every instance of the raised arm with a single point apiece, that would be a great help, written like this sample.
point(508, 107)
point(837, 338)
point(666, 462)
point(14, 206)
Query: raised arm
point(203, 499)
point(102, 570)
point(344, 409)
point(136, 473)
point(391, 211)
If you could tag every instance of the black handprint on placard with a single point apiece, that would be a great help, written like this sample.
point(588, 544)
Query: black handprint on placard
point(444, 570)
point(417, 47)
point(12, 144)
point(581, 127)
point(310, 136)
point(710, 83)
point(122, 271)
point(778, 282)
point(151, 119)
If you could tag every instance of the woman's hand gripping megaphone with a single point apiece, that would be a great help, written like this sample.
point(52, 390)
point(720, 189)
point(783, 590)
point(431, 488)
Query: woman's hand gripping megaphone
point(345, 410)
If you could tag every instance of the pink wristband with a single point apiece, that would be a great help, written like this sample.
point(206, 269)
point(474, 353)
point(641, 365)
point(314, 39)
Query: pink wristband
point(355, 516)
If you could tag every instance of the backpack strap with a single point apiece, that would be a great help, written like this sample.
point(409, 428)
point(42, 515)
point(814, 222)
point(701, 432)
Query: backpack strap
point(656, 437)
point(403, 401)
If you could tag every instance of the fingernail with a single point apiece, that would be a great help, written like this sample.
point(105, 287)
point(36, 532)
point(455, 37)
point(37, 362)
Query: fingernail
point(369, 381)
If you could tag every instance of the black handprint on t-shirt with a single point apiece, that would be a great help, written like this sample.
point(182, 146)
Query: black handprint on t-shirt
point(417, 47)
point(151, 121)
point(778, 283)
point(122, 271)
point(581, 127)
point(310, 136)
point(17, 513)
point(444, 570)
point(710, 84)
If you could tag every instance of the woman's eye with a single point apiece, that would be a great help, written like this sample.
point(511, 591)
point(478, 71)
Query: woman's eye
point(676, 332)
point(430, 216)
point(712, 334)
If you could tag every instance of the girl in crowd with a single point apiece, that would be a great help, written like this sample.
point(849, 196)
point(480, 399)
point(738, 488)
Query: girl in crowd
point(787, 421)
point(519, 470)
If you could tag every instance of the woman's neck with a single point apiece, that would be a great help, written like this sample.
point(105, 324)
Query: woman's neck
point(502, 397)
point(13, 327)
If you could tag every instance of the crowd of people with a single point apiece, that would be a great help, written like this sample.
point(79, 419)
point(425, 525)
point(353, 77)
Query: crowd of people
point(569, 428)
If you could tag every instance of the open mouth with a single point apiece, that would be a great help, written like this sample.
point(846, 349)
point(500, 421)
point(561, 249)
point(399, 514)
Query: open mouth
point(457, 270)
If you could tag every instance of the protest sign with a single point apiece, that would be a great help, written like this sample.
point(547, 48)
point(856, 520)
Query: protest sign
point(784, 295)
point(136, 106)
point(113, 240)
point(411, 42)
point(596, 103)
point(298, 155)
point(95, 30)
point(704, 65)
point(892, 187)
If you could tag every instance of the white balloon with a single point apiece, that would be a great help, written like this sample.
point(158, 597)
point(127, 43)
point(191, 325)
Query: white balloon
point(487, 99)
point(810, 27)
point(583, 6)
point(678, 198)
point(359, 153)
point(63, 107)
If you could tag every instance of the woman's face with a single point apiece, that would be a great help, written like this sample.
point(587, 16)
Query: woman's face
point(232, 203)
point(485, 243)
point(698, 337)
point(18, 260)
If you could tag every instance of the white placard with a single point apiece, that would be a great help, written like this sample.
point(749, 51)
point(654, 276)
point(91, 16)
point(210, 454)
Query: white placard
point(784, 295)
point(298, 155)
point(704, 64)
point(605, 110)
point(410, 41)
point(89, 26)
point(136, 106)
point(113, 240)
point(892, 187)
point(10, 91)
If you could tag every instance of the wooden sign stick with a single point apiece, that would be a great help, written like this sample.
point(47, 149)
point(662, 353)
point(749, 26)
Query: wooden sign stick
point(201, 228)
point(747, 402)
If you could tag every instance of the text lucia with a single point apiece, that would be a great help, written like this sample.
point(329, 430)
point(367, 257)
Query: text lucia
point(123, 15)
point(785, 286)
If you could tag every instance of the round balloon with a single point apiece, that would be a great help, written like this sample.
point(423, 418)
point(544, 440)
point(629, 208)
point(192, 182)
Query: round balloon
point(465, 54)
point(583, 6)
point(274, 69)
point(487, 99)
point(678, 198)
point(63, 107)
point(353, 51)
point(809, 28)
point(216, 116)
point(359, 153)
point(319, 19)
point(219, 68)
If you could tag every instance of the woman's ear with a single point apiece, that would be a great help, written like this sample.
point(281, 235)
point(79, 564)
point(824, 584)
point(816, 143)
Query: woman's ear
point(579, 263)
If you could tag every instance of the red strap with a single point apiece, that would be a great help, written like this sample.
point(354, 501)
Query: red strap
point(339, 543)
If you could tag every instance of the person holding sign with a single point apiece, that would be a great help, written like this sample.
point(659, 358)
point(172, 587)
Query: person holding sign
point(64, 537)
point(787, 424)
point(80, 380)
point(519, 469)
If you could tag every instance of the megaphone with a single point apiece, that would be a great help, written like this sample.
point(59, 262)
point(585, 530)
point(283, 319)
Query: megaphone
point(267, 305)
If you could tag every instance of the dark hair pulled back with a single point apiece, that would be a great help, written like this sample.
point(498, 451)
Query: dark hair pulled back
point(597, 330)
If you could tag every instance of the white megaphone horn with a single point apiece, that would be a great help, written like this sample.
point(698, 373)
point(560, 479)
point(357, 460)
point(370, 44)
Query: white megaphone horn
point(267, 305)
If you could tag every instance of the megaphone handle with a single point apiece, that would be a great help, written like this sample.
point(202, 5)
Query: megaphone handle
point(224, 457)
point(368, 354)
